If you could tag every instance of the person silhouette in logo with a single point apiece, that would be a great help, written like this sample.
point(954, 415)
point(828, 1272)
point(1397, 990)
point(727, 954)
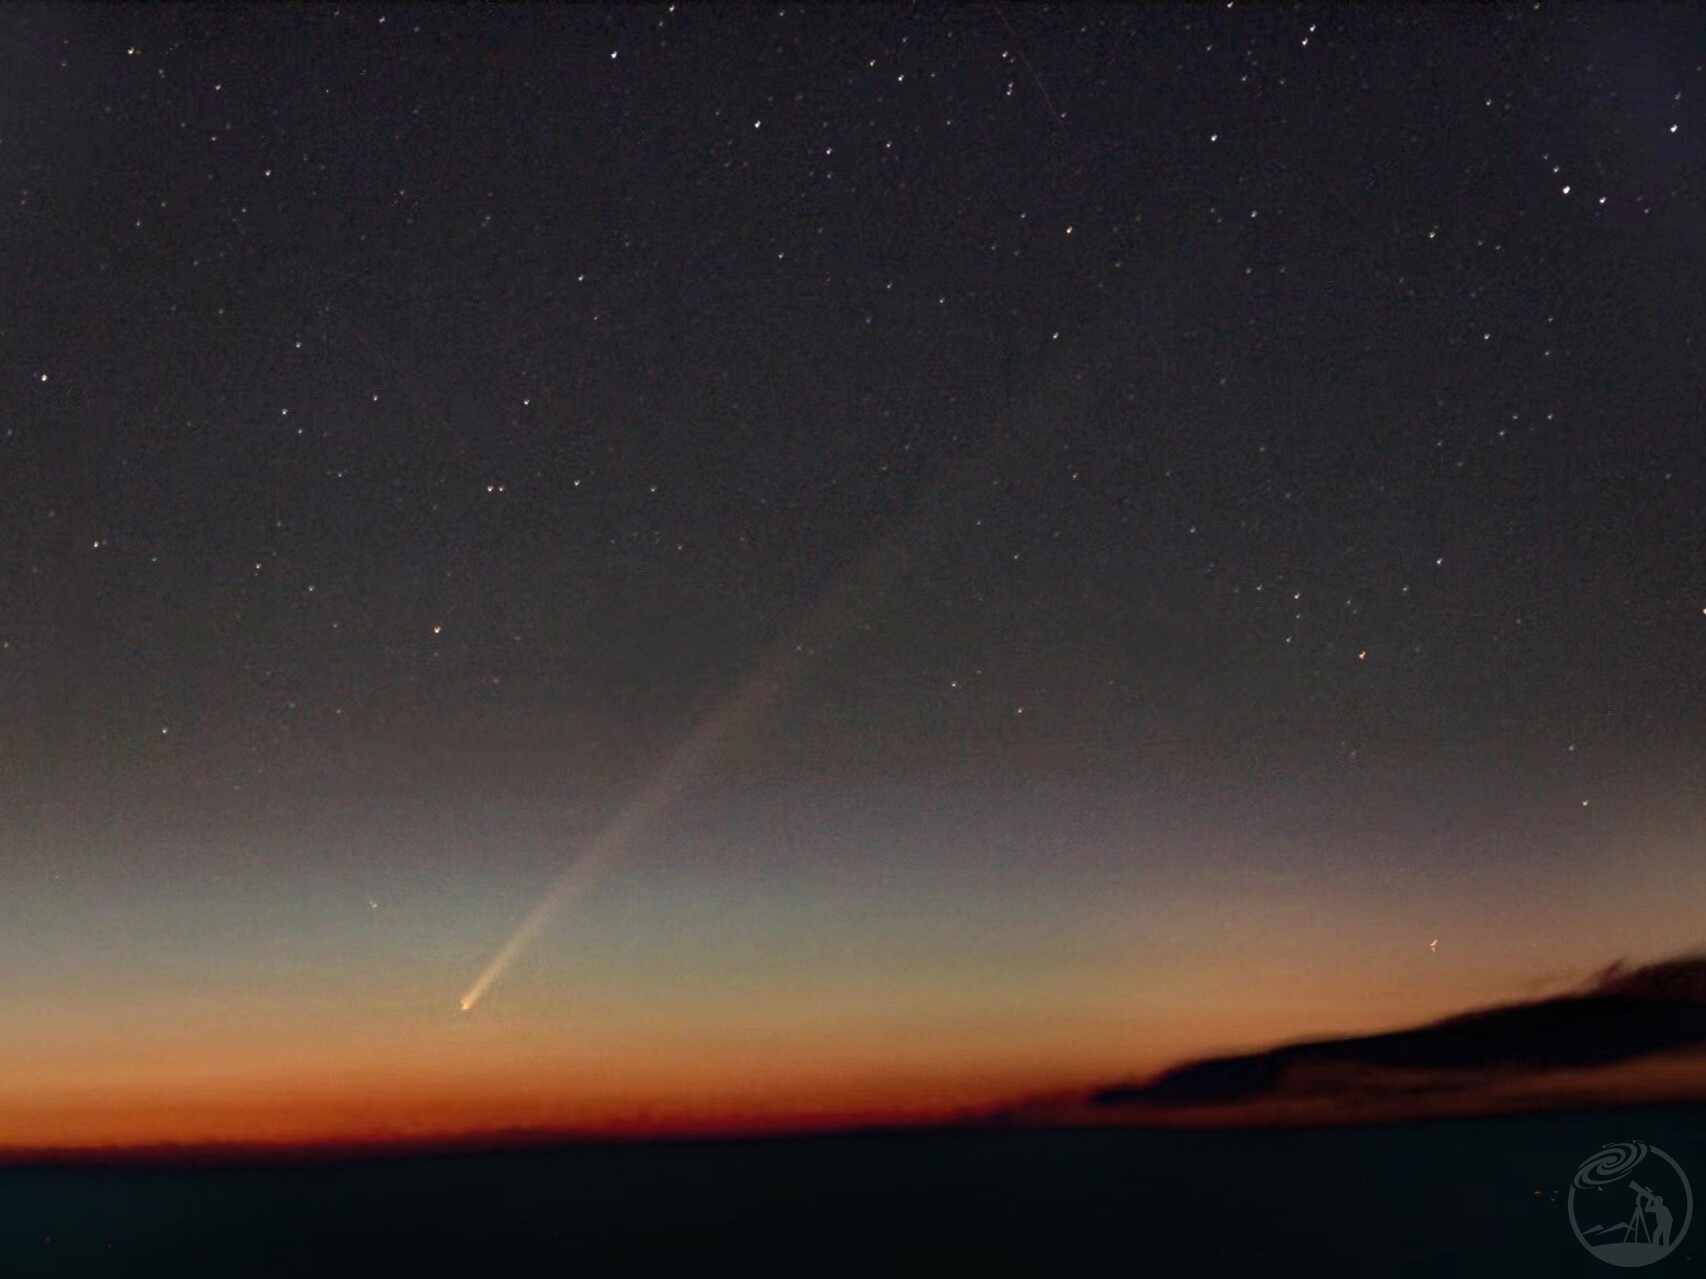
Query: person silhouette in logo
point(1646, 1201)
point(1660, 1221)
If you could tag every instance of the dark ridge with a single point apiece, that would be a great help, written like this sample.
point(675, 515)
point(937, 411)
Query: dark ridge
point(1660, 1008)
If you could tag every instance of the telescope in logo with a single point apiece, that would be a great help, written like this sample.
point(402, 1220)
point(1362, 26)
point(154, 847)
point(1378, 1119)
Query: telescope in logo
point(1646, 1201)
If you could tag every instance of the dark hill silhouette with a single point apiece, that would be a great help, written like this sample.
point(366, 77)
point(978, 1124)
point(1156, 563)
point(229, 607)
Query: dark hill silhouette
point(1625, 1014)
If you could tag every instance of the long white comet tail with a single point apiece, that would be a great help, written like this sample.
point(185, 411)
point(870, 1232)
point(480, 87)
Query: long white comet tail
point(635, 821)
point(841, 606)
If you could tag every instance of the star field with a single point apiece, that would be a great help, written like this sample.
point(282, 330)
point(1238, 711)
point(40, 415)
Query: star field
point(1284, 422)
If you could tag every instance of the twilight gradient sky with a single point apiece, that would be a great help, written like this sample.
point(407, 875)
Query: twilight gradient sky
point(1276, 433)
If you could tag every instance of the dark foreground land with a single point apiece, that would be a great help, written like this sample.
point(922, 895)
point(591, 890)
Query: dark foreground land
point(1445, 1197)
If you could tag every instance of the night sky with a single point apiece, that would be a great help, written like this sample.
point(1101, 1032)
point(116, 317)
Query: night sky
point(1188, 528)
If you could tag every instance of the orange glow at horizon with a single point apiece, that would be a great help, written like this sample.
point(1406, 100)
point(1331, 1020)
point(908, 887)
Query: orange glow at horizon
point(300, 1075)
point(703, 1021)
point(331, 1102)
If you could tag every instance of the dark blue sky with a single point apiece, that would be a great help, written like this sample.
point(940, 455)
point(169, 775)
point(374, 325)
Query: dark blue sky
point(416, 421)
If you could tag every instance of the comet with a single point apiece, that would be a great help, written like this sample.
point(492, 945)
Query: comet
point(641, 816)
point(849, 598)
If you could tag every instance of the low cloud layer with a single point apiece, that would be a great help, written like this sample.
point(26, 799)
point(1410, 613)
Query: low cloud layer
point(1632, 1033)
